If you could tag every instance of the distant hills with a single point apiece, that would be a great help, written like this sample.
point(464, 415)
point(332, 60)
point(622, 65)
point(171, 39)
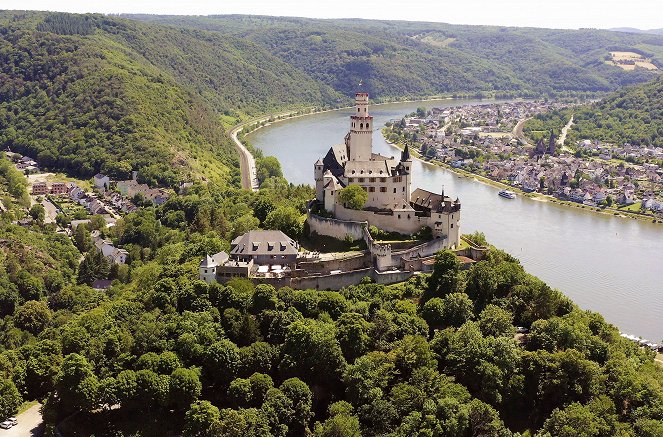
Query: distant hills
point(398, 58)
point(634, 30)
point(91, 93)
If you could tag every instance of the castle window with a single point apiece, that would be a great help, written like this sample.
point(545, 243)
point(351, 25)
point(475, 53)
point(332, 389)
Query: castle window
point(371, 189)
point(394, 190)
point(408, 216)
point(383, 189)
point(364, 109)
point(398, 179)
point(366, 125)
point(404, 189)
point(452, 225)
point(357, 109)
point(361, 125)
point(399, 216)
point(361, 179)
point(383, 179)
point(371, 179)
point(353, 172)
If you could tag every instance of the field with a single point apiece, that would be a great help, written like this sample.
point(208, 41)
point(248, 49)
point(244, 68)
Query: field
point(630, 60)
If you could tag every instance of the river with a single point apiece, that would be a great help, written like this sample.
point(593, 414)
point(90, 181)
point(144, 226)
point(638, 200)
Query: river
point(607, 264)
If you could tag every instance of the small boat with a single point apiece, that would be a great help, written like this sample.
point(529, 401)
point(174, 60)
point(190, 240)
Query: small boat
point(508, 194)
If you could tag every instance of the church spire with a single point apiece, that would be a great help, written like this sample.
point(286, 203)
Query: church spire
point(405, 154)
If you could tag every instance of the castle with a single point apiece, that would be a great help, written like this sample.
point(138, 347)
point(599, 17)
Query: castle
point(391, 206)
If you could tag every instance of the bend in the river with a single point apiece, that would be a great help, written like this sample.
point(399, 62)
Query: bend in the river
point(607, 264)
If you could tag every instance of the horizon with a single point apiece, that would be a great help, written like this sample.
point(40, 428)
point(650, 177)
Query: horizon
point(562, 14)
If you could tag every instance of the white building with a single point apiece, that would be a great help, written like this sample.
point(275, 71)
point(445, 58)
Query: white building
point(391, 205)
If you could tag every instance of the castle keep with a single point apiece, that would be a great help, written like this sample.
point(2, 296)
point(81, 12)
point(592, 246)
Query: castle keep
point(391, 204)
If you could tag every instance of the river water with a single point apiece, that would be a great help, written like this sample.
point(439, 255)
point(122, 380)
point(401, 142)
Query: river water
point(607, 264)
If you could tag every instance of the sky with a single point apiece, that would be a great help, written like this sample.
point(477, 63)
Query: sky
point(567, 14)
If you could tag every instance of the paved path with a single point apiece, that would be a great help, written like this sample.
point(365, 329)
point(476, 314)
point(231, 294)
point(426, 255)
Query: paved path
point(565, 130)
point(51, 211)
point(29, 424)
point(518, 130)
point(247, 164)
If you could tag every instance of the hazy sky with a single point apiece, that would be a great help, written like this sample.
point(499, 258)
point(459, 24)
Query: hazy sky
point(644, 14)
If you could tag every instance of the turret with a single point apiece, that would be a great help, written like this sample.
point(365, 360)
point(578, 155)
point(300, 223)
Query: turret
point(361, 130)
point(318, 168)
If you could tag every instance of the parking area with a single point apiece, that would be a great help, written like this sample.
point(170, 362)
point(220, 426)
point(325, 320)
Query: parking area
point(29, 424)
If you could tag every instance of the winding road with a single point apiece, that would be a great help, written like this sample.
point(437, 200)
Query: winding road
point(518, 131)
point(247, 164)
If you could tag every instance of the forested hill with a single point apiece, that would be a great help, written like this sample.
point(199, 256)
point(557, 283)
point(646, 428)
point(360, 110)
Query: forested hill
point(631, 115)
point(88, 93)
point(398, 58)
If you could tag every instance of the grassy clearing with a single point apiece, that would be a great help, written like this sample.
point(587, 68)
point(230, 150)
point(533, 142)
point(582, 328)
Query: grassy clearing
point(25, 406)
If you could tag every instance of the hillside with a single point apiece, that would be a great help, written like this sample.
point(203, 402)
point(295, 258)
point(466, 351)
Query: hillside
point(631, 115)
point(90, 93)
point(397, 59)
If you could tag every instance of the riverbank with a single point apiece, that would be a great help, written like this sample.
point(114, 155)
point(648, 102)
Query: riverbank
point(613, 212)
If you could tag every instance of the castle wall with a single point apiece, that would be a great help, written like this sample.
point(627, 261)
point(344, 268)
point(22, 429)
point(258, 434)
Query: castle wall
point(404, 222)
point(360, 261)
point(339, 229)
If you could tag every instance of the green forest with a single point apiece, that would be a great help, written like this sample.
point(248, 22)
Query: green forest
point(413, 59)
point(90, 93)
point(631, 115)
point(162, 352)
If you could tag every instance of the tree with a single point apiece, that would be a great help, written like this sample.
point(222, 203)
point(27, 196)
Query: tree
point(268, 167)
point(201, 419)
point(353, 196)
point(311, 351)
point(10, 399)
point(222, 361)
point(185, 387)
point(341, 422)
point(443, 279)
point(33, 316)
point(285, 219)
point(457, 309)
point(82, 238)
point(38, 213)
point(94, 266)
point(77, 386)
point(301, 399)
point(496, 321)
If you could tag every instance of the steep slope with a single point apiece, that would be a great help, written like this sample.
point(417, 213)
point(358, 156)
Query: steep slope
point(631, 115)
point(87, 93)
point(398, 58)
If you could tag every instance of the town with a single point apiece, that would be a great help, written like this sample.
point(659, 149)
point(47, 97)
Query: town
point(488, 140)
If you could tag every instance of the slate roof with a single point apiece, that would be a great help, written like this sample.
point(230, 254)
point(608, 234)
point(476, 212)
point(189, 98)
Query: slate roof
point(259, 242)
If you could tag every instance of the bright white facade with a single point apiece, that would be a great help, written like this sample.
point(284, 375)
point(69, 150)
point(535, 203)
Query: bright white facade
point(391, 204)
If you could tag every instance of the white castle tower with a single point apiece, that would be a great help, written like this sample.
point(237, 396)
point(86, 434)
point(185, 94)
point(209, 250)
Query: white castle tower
point(360, 139)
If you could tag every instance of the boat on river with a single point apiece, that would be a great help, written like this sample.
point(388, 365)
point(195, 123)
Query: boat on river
point(508, 194)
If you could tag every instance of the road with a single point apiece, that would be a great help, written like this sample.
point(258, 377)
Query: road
point(518, 130)
point(565, 130)
point(51, 211)
point(247, 164)
point(29, 424)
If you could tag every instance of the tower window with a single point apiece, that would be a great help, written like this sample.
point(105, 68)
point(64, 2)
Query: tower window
point(357, 109)
point(394, 190)
point(361, 125)
point(366, 125)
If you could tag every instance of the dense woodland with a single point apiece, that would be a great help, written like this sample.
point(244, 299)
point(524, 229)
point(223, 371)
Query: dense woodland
point(91, 93)
point(411, 59)
point(161, 352)
point(631, 115)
